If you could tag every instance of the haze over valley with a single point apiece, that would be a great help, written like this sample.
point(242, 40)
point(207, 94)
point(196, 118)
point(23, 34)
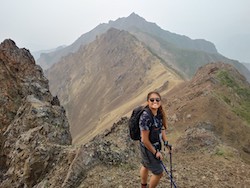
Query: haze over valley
point(113, 66)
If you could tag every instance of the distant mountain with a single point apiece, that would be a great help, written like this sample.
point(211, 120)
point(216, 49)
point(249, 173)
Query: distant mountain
point(247, 65)
point(182, 53)
point(37, 54)
point(132, 23)
point(103, 80)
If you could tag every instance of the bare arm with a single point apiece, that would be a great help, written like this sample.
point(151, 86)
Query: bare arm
point(164, 135)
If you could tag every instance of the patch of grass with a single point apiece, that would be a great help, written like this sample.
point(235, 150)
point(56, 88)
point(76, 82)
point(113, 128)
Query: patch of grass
point(226, 99)
point(219, 151)
point(242, 107)
point(243, 112)
point(226, 79)
point(224, 151)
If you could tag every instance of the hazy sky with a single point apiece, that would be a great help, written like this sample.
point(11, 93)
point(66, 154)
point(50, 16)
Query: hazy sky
point(46, 24)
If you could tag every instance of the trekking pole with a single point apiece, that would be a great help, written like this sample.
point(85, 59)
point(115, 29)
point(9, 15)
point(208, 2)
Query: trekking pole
point(171, 171)
point(172, 181)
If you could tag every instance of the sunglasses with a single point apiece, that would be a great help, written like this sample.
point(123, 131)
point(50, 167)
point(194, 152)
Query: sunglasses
point(154, 99)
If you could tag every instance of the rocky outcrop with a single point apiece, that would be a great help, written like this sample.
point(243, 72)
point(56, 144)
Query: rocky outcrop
point(198, 138)
point(112, 148)
point(34, 128)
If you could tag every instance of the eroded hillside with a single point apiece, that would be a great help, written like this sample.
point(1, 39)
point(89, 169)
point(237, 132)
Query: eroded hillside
point(105, 80)
point(219, 96)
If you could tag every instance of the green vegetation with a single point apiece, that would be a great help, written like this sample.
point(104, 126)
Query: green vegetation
point(226, 99)
point(227, 80)
point(219, 151)
point(242, 94)
point(224, 151)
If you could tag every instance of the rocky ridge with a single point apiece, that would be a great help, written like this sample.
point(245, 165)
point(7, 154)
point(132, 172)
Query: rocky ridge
point(36, 148)
point(218, 95)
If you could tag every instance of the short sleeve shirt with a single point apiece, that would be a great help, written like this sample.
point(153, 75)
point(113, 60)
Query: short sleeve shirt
point(145, 121)
point(155, 127)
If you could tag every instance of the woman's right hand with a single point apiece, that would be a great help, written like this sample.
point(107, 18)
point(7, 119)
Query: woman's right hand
point(158, 155)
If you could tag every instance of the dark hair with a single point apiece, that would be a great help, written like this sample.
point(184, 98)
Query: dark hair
point(164, 118)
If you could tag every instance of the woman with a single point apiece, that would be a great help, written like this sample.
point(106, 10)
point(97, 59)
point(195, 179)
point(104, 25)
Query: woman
point(152, 126)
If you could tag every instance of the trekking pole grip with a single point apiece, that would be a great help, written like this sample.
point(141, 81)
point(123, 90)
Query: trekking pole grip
point(169, 146)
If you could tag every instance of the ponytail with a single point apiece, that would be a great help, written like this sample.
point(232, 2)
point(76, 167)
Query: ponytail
point(164, 117)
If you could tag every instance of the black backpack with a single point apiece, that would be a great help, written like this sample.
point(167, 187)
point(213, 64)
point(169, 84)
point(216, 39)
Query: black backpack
point(134, 129)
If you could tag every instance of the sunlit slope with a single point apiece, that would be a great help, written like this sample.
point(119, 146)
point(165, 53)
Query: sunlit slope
point(105, 80)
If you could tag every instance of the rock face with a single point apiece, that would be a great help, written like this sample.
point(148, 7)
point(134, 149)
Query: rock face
point(34, 128)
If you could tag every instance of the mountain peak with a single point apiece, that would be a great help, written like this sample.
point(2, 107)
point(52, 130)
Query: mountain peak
point(11, 53)
point(132, 20)
point(133, 15)
point(8, 43)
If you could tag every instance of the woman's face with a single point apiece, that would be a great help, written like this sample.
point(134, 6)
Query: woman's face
point(154, 101)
